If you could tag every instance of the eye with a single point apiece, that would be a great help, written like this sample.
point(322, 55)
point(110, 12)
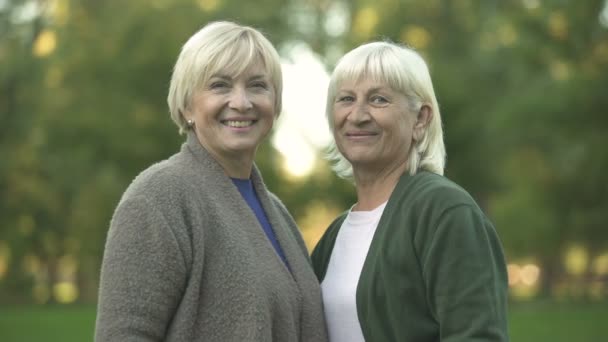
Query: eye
point(378, 99)
point(217, 85)
point(345, 98)
point(259, 85)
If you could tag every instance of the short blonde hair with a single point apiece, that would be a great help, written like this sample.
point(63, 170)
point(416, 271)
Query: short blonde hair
point(404, 70)
point(219, 46)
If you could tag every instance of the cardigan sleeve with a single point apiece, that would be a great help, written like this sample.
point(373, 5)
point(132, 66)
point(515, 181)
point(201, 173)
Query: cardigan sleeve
point(466, 279)
point(143, 275)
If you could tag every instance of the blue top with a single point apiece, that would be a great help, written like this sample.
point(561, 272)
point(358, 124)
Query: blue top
point(245, 187)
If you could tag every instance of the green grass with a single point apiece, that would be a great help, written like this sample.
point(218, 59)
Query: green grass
point(528, 322)
point(56, 323)
point(558, 322)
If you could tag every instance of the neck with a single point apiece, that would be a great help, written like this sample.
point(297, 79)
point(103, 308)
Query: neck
point(236, 166)
point(374, 187)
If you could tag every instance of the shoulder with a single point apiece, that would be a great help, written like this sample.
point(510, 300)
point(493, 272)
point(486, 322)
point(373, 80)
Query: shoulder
point(440, 188)
point(165, 178)
point(152, 208)
point(170, 186)
point(430, 191)
point(426, 202)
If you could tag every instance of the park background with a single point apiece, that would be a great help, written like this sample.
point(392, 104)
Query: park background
point(523, 91)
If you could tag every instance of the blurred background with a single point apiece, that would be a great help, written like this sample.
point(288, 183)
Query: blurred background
point(523, 90)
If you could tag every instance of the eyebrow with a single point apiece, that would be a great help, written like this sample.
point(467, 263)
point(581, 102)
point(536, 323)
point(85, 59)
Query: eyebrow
point(222, 76)
point(377, 89)
point(371, 90)
point(227, 77)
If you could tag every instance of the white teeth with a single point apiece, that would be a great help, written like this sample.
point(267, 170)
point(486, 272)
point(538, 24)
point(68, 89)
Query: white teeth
point(239, 123)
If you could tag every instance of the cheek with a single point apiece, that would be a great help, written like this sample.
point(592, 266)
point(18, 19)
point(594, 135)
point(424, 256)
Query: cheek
point(268, 106)
point(334, 131)
point(339, 117)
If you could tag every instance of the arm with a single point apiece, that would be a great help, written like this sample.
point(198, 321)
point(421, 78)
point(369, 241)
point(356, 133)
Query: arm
point(142, 277)
point(466, 279)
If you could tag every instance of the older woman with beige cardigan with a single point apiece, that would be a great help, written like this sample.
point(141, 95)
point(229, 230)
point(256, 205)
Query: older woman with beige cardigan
point(198, 248)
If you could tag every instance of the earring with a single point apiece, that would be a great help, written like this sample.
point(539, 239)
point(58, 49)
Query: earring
point(190, 123)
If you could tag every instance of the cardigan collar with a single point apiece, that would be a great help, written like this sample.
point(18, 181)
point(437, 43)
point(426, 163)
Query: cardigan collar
point(222, 183)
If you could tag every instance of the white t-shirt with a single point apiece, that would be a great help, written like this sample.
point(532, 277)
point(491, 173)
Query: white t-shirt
point(340, 283)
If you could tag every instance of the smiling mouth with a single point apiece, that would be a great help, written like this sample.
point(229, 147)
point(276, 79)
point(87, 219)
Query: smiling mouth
point(238, 124)
point(360, 134)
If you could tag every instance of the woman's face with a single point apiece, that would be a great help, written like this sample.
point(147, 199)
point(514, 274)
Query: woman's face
point(373, 125)
point(232, 114)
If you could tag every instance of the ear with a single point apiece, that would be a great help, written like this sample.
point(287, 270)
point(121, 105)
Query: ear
point(187, 118)
point(186, 113)
point(422, 121)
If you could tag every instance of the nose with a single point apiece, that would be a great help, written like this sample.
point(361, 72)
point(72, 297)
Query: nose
point(239, 100)
point(360, 114)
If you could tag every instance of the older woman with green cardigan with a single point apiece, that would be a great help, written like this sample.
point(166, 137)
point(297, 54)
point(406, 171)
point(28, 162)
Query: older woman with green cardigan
point(415, 258)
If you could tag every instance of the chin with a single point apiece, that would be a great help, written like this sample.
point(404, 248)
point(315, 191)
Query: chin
point(363, 161)
point(361, 157)
point(243, 148)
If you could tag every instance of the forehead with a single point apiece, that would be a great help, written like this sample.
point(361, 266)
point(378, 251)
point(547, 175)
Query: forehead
point(382, 72)
point(254, 68)
point(363, 84)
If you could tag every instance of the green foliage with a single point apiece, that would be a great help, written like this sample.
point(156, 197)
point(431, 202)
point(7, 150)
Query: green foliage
point(522, 87)
point(82, 115)
point(522, 92)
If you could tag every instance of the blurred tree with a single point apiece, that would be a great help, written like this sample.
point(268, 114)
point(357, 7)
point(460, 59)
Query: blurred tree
point(83, 84)
point(521, 85)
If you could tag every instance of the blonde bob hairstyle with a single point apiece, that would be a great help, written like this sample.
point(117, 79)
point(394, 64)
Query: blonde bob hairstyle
point(404, 70)
point(223, 47)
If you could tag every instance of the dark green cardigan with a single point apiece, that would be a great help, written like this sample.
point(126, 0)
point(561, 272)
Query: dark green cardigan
point(435, 270)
